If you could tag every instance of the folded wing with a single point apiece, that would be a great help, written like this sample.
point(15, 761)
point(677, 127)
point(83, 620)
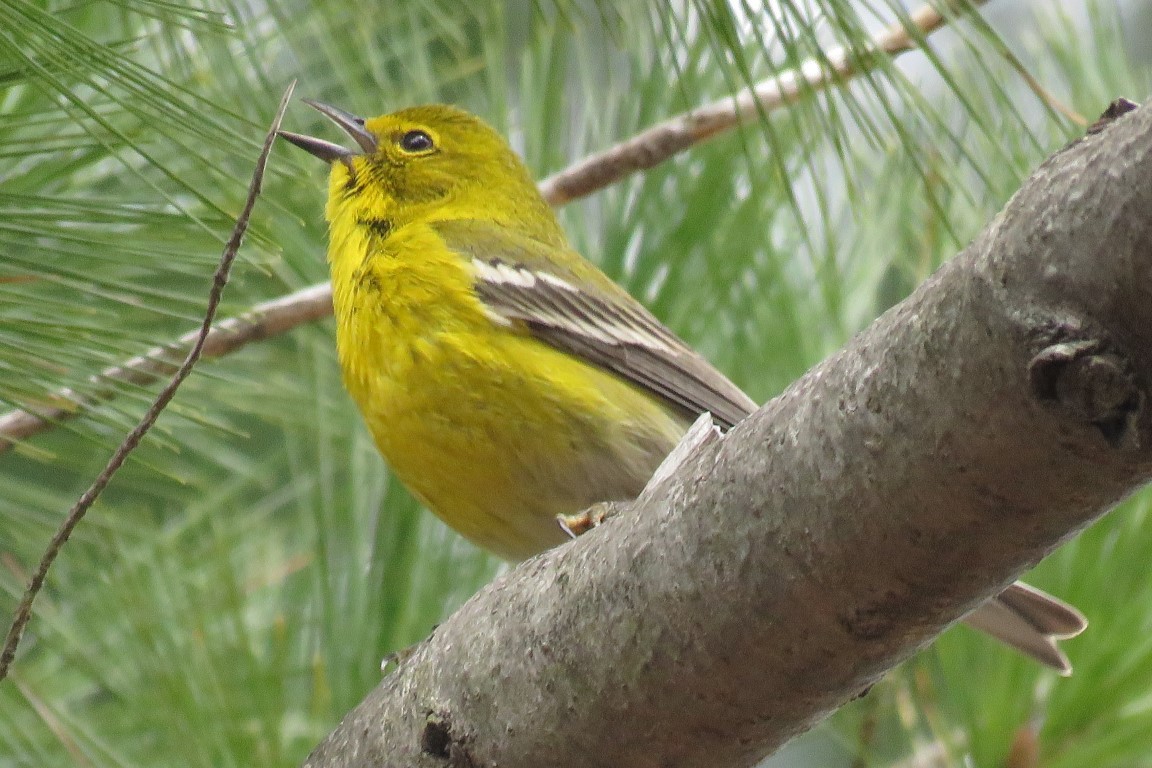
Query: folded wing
point(580, 311)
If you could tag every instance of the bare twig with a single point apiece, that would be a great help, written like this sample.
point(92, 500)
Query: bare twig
point(662, 141)
point(219, 280)
point(645, 150)
point(264, 320)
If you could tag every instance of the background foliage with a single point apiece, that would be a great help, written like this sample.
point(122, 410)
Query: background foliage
point(232, 595)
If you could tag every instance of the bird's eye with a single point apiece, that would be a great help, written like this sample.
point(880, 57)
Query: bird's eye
point(416, 142)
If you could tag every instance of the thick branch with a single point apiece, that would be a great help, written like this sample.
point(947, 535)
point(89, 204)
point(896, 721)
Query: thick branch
point(784, 568)
point(645, 150)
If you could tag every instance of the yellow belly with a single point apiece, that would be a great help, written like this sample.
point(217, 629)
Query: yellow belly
point(499, 440)
point(493, 430)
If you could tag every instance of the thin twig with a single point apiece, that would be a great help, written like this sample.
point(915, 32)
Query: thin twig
point(219, 280)
point(265, 320)
point(663, 140)
point(645, 150)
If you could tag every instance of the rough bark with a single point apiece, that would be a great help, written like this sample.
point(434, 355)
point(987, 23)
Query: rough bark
point(783, 569)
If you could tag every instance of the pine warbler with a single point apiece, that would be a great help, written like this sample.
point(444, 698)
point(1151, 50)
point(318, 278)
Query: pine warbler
point(505, 379)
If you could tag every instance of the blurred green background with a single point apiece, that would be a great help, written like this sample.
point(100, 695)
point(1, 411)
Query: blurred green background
point(232, 593)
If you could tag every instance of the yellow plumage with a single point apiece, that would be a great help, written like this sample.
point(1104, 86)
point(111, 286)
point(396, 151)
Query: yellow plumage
point(505, 379)
point(494, 430)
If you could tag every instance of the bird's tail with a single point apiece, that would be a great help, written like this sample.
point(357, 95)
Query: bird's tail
point(1032, 622)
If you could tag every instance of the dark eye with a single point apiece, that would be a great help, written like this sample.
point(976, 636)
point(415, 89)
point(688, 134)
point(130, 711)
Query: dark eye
point(416, 141)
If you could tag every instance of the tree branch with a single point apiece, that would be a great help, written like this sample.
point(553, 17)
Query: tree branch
point(263, 321)
point(645, 150)
point(785, 567)
point(195, 349)
point(671, 137)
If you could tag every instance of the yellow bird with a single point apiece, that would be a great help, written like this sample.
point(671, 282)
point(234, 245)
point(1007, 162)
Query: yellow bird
point(506, 380)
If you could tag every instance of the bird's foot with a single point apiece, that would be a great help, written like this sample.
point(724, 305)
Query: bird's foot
point(582, 522)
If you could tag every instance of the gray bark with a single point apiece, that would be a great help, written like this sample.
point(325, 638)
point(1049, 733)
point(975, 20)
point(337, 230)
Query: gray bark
point(784, 568)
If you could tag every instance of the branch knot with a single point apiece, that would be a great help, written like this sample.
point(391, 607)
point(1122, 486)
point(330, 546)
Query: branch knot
point(1092, 384)
point(438, 741)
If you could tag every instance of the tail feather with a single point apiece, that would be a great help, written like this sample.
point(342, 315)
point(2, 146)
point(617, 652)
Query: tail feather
point(1032, 622)
point(1045, 612)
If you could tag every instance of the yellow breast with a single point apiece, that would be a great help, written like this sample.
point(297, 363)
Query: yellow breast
point(492, 429)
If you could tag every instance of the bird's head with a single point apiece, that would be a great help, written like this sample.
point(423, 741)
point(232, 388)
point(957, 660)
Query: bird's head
point(433, 162)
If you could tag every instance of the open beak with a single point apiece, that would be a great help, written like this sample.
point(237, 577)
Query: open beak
point(326, 150)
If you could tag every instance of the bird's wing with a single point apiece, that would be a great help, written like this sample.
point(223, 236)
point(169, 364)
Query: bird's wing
point(576, 308)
